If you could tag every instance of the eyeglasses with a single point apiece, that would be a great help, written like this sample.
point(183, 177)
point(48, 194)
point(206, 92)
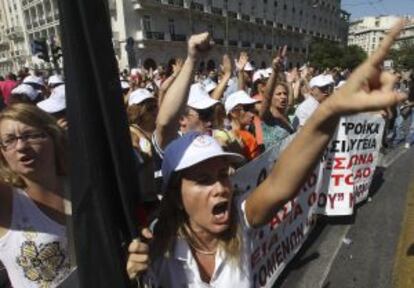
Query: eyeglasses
point(245, 107)
point(327, 89)
point(10, 142)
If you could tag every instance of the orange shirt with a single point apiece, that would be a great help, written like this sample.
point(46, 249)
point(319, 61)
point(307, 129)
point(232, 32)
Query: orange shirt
point(251, 149)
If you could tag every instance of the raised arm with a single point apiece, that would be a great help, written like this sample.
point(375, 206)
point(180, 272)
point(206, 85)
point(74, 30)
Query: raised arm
point(176, 97)
point(300, 157)
point(240, 64)
point(277, 66)
point(167, 83)
point(227, 70)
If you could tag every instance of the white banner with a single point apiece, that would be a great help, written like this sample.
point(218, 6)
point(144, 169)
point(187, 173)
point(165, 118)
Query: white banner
point(349, 163)
point(345, 170)
point(272, 247)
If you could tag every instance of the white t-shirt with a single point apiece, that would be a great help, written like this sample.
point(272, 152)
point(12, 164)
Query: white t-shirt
point(304, 111)
point(35, 249)
point(180, 268)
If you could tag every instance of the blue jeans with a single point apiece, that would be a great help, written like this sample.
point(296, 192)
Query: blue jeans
point(409, 137)
point(398, 131)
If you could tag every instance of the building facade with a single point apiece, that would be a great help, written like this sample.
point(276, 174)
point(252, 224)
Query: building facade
point(22, 21)
point(159, 28)
point(151, 32)
point(368, 32)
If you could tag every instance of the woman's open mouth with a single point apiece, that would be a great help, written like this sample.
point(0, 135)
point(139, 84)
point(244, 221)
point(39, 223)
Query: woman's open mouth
point(221, 212)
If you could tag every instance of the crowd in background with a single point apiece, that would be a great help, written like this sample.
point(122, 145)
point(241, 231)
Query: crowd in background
point(245, 109)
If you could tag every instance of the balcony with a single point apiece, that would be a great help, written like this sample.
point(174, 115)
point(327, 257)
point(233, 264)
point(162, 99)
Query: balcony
point(245, 17)
point(259, 45)
point(246, 44)
point(217, 11)
point(197, 7)
point(151, 35)
point(233, 43)
point(178, 37)
point(219, 41)
point(232, 14)
point(258, 21)
point(14, 32)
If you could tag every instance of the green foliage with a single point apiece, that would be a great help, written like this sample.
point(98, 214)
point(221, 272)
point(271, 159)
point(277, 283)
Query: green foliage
point(403, 56)
point(327, 54)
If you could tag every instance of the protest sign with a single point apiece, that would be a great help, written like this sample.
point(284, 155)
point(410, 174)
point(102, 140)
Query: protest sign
point(348, 165)
point(272, 247)
point(342, 179)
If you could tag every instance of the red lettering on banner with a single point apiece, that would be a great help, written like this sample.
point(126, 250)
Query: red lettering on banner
point(338, 177)
point(339, 163)
point(351, 200)
point(331, 199)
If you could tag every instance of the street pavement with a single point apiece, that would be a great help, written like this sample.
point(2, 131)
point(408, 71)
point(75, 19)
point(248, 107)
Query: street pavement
point(358, 251)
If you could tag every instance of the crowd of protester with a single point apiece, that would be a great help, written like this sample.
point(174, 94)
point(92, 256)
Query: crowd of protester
point(189, 130)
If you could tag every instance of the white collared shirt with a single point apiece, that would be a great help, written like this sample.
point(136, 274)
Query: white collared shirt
point(181, 269)
point(304, 111)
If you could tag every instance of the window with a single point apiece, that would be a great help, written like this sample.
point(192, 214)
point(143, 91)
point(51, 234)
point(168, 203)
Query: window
point(147, 23)
point(210, 29)
point(171, 26)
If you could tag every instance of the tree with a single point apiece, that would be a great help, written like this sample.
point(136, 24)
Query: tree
point(328, 54)
point(325, 54)
point(353, 55)
point(403, 56)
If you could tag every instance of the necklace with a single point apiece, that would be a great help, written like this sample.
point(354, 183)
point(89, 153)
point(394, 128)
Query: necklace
point(203, 252)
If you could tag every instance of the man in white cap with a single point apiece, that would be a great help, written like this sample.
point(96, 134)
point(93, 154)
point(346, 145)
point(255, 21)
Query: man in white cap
point(322, 86)
point(37, 83)
point(56, 105)
point(198, 114)
point(24, 93)
point(55, 81)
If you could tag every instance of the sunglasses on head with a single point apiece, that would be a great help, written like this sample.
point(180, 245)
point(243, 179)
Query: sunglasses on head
point(327, 89)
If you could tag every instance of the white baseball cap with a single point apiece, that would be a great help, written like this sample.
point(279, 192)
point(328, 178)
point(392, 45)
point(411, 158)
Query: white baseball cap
point(340, 84)
point(124, 84)
point(321, 81)
point(260, 74)
point(33, 80)
point(55, 80)
point(138, 96)
point(56, 101)
point(199, 98)
point(209, 85)
point(239, 97)
point(27, 90)
point(248, 67)
point(189, 150)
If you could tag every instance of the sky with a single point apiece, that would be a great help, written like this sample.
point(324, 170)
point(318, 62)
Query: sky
point(361, 8)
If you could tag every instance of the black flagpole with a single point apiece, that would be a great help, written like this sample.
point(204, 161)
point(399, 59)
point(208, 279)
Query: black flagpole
point(103, 181)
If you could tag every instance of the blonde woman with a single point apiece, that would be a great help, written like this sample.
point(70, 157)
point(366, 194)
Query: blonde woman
point(196, 240)
point(33, 244)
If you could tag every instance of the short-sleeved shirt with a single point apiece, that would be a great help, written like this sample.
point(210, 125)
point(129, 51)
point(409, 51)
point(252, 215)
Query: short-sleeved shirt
point(274, 130)
point(304, 111)
point(180, 269)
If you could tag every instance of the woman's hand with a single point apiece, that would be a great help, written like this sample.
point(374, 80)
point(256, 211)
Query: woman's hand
point(138, 255)
point(199, 44)
point(278, 61)
point(368, 88)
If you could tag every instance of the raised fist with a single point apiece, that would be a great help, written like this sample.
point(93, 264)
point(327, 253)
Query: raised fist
point(199, 43)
